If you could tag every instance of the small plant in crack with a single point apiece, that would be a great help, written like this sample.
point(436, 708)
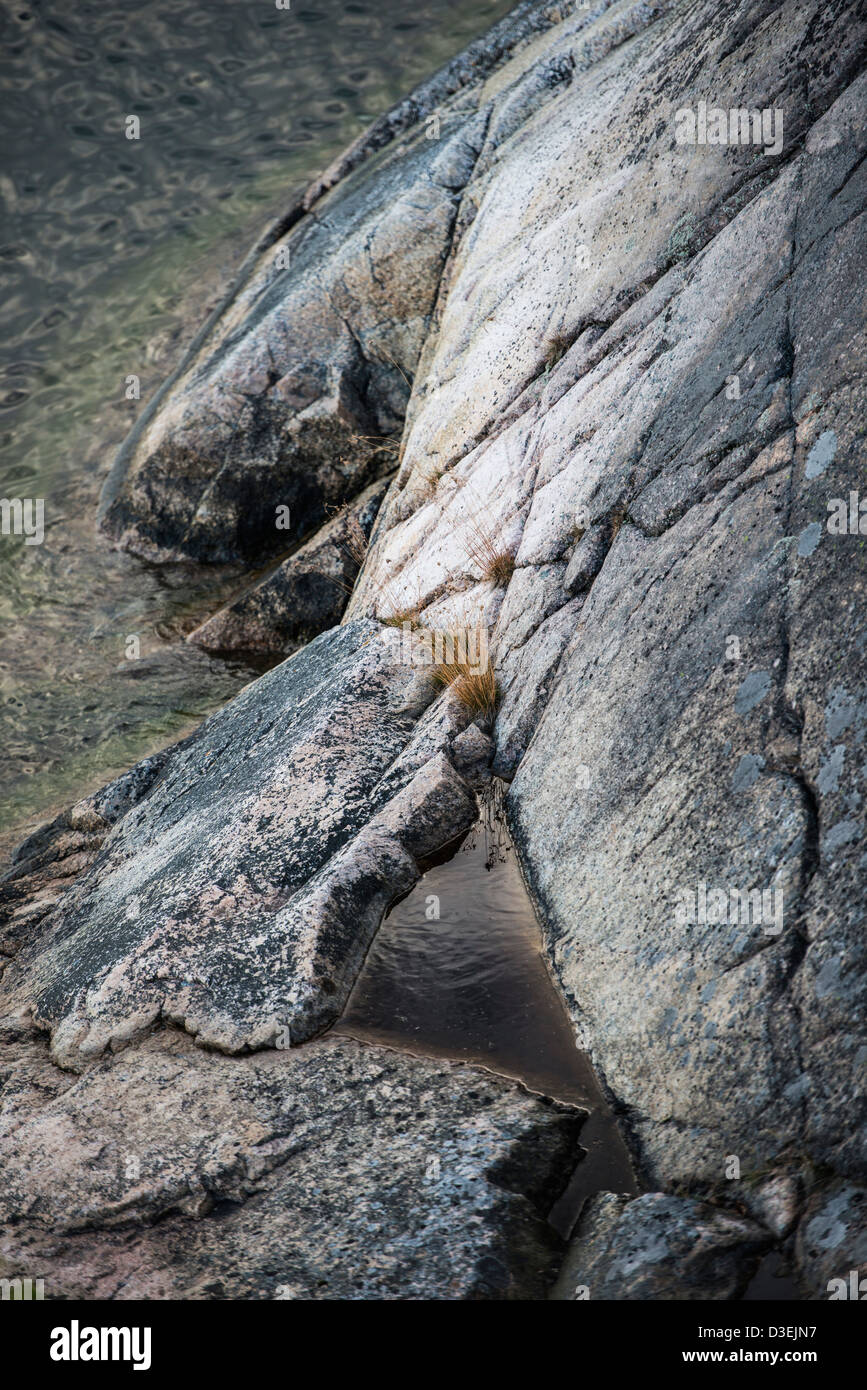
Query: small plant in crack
point(430, 477)
point(491, 825)
point(473, 683)
point(354, 544)
point(556, 348)
point(618, 516)
point(396, 617)
point(355, 541)
point(395, 607)
point(381, 443)
point(485, 550)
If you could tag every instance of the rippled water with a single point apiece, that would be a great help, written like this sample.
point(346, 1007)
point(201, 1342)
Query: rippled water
point(111, 253)
point(472, 984)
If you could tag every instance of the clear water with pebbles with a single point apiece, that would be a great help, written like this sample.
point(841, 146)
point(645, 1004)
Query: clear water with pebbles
point(111, 253)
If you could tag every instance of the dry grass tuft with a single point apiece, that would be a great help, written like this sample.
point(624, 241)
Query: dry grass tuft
point(617, 519)
point(556, 347)
point(430, 477)
point(475, 687)
point(501, 569)
point(485, 551)
point(376, 443)
point(356, 541)
point(398, 616)
point(354, 545)
point(394, 605)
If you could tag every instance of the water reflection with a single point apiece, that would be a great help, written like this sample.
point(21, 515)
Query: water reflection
point(471, 984)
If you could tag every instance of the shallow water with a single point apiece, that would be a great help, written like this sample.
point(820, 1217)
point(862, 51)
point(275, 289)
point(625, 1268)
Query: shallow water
point(472, 985)
point(111, 253)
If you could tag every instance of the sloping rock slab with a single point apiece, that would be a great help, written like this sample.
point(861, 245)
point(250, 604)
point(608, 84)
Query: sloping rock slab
point(285, 402)
point(239, 896)
point(716, 701)
point(48, 861)
point(336, 1171)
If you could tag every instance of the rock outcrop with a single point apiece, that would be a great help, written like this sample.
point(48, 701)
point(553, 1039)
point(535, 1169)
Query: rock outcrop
point(334, 1171)
point(656, 1246)
point(632, 448)
point(302, 596)
point(238, 898)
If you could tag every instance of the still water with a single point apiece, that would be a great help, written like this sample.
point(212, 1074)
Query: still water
point(456, 970)
point(112, 251)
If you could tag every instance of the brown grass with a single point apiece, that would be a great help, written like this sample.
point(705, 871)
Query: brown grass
point(484, 550)
point(617, 519)
point(556, 347)
point(394, 607)
point(354, 545)
point(398, 616)
point(356, 541)
point(477, 690)
point(430, 477)
point(388, 443)
point(388, 357)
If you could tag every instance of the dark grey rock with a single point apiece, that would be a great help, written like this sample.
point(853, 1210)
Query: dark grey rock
point(831, 1243)
point(336, 1171)
point(304, 595)
point(659, 1247)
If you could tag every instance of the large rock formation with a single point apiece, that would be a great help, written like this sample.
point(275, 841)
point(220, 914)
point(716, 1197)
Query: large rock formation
point(633, 449)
